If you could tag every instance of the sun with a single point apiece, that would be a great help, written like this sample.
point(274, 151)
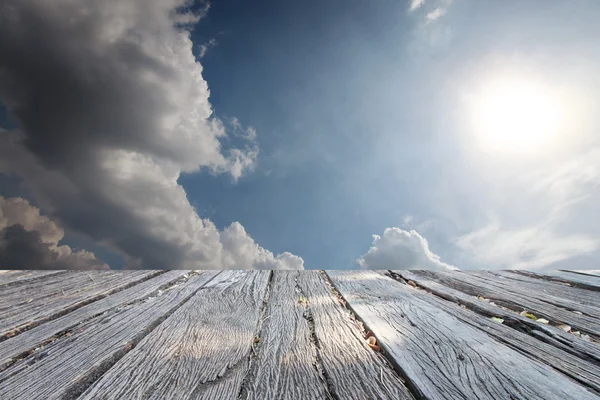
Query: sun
point(515, 116)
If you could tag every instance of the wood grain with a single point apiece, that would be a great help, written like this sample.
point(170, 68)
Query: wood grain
point(23, 343)
point(547, 290)
point(201, 351)
point(13, 277)
point(586, 281)
point(441, 355)
point(25, 307)
point(585, 372)
point(66, 367)
point(286, 365)
point(510, 296)
point(310, 349)
point(547, 333)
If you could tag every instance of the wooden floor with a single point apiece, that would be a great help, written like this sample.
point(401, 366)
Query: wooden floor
point(299, 335)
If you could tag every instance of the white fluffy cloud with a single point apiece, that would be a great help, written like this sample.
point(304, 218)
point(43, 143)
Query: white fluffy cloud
point(111, 108)
point(29, 240)
point(400, 249)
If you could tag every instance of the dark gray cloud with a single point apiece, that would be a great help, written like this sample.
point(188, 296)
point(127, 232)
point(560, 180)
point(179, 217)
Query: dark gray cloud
point(29, 240)
point(22, 249)
point(111, 107)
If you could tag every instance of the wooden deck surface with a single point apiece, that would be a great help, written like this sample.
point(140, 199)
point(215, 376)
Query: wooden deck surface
point(299, 335)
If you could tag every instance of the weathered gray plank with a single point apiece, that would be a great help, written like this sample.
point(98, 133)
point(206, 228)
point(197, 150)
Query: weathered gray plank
point(585, 281)
point(201, 351)
point(23, 343)
point(547, 333)
point(310, 349)
point(593, 272)
point(67, 366)
point(11, 277)
point(286, 365)
point(546, 292)
point(24, 307)
point(442, 356)
point(543, 288)
point(510, 298)
point(585, 372)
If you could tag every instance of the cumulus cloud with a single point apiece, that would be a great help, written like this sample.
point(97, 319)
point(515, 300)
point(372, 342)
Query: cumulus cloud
point(400, 249)
point(111, 107)
point(29, 240)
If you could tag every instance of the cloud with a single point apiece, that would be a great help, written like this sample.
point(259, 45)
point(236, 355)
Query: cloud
point(400, 249)
point(205, 46)
point(494, 247)
point(555, 204)
point(111, 107)
point(435, 14)
point(414, 4)
point(29, 240)
point(409, 222)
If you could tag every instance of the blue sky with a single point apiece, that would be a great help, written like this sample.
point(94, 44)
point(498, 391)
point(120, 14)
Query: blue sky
point(362, 125)
point(353, 105)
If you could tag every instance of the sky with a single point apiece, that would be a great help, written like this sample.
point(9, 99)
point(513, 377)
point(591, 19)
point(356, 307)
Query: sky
point(427, 134)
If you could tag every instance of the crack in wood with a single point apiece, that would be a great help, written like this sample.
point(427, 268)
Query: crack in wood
point(318, 364)
point(384, 355)
point(514, 324)
point(30, 325)
point(253, 354)
point(70, 329)
point(85, 382)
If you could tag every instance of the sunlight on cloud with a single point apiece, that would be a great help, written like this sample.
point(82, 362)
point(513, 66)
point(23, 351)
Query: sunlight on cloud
point(531, 145)
point(414, 4)
point(435, 14)
point(494, 247)
point(134, 114)
point(400, 249)
point(28, 239)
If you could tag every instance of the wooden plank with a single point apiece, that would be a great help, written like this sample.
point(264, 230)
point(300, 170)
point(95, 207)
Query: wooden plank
point(584, 281)
point(287, 364)
point(593, 272)
point(12, 277)
point(572, 299)
point(543, 288)
point(67, 366)
point(547, 333)
point(442, 356)
point(587, 373)
point(201, 351)
point(309, 348)
point(477, 286)
point(25, 307)
point(25, 342)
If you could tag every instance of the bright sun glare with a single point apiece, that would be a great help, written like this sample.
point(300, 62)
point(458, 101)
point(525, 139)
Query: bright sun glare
point(515, 116)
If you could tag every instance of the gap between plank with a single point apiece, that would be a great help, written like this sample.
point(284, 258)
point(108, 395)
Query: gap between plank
point(529, 329)
point(23, 328)
point(410, 385)
point(69, 329)
point(318, 364)
point(85, 382)
point(252, 354)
